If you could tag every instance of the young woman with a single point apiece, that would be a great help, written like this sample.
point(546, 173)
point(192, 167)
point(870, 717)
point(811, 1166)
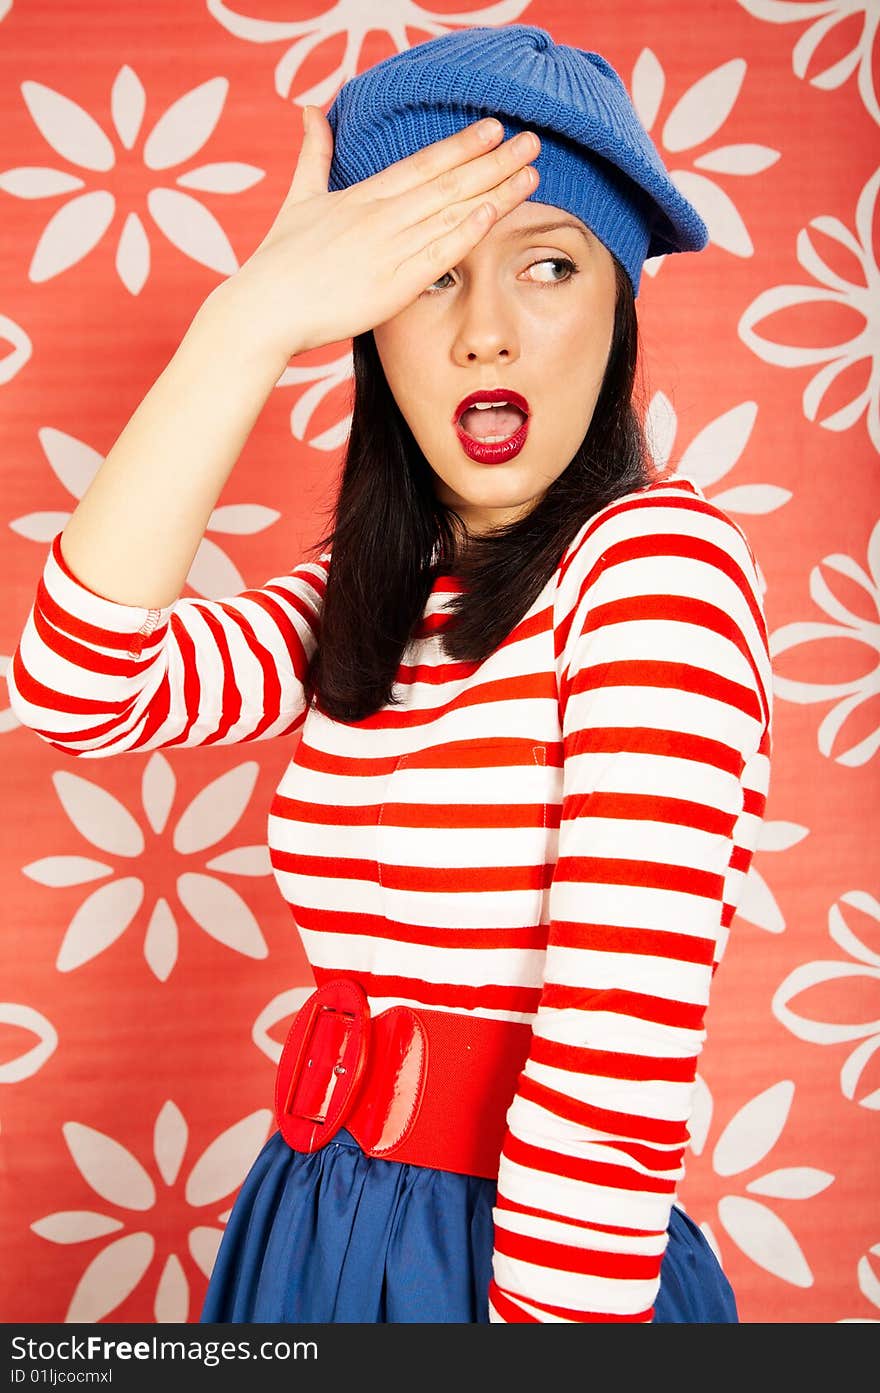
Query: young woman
point(530, 685)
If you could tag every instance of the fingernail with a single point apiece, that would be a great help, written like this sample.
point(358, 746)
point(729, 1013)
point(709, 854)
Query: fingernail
point(490, 130)
point(306, 118)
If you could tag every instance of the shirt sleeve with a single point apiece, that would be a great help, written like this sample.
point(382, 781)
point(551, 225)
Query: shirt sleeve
point(93, 677)
point(664, 682)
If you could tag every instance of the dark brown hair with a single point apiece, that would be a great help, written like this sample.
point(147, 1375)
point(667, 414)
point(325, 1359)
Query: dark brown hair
point(392, 535)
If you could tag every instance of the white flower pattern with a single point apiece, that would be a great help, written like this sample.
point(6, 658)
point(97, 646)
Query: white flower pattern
point(861, 972)
point(213, 574)
point(862, 299)
point(354, 20)
point(696, 118)
point(826, 15)
point(110, 827)
point(79, 225)
point(325, 378)
point(869, 1281)
point(743, 1145)
point(758, 904)
point(281, 1009)
point(158, 1251)
point(20, 350)
point(849, 695)
point(30, 1060)
point(120, 1179)
point(711, 455)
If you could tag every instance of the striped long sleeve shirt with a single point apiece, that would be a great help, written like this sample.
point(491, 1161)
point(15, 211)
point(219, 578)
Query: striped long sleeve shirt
point(557, 835)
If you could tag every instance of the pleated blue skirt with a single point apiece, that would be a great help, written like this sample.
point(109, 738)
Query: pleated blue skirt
point(339, 1236)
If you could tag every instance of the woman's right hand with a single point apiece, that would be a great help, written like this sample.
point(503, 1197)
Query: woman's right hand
point(335, 264)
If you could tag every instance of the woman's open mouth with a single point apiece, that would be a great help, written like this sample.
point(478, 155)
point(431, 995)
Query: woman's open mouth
point(492, 425)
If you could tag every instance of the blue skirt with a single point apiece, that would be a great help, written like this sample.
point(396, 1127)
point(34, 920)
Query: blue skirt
point(336, 1235)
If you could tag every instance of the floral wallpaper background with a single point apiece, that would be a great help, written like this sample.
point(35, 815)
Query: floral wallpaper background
point(147, 968)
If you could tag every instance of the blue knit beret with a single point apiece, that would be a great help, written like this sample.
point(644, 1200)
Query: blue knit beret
point(596, 161)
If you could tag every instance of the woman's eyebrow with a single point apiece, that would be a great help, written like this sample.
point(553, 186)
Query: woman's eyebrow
point(534, 228)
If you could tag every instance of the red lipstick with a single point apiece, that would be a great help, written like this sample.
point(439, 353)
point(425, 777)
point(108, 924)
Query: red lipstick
point(492, 451)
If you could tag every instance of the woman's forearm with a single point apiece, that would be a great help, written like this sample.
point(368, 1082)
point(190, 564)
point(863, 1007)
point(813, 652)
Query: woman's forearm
point(133, 536)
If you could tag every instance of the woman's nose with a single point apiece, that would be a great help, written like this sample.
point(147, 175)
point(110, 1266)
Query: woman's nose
point(485, 329)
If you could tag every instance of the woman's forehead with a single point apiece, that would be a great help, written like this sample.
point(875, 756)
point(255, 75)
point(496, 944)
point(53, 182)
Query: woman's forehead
point(533, 218)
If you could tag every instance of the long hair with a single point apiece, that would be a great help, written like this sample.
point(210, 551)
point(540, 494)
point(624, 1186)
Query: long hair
point(392, 535)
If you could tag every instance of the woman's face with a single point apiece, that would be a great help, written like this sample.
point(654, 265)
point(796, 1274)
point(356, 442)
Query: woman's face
point(529, 310)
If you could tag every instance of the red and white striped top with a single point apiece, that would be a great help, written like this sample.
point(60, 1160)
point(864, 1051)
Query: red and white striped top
point(557, 835)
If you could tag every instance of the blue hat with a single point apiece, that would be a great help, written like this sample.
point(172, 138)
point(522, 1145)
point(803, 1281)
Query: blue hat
point(596, 161)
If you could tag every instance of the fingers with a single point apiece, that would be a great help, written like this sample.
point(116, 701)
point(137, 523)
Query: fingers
point(438, 243)
point(435, 159)
point(453, 189)
point(316, 154)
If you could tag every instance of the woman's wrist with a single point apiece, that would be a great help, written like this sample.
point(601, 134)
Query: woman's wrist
point(233, 313)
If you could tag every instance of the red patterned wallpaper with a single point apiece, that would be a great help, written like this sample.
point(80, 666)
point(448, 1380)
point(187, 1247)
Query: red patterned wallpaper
point(148, 968)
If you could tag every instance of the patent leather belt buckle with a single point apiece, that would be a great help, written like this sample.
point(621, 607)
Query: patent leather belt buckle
point(340, 1067)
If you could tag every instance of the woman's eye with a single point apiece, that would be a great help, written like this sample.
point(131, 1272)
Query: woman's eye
point(564, 262)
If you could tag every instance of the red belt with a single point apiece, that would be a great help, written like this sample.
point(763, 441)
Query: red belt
point(430, 1088)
